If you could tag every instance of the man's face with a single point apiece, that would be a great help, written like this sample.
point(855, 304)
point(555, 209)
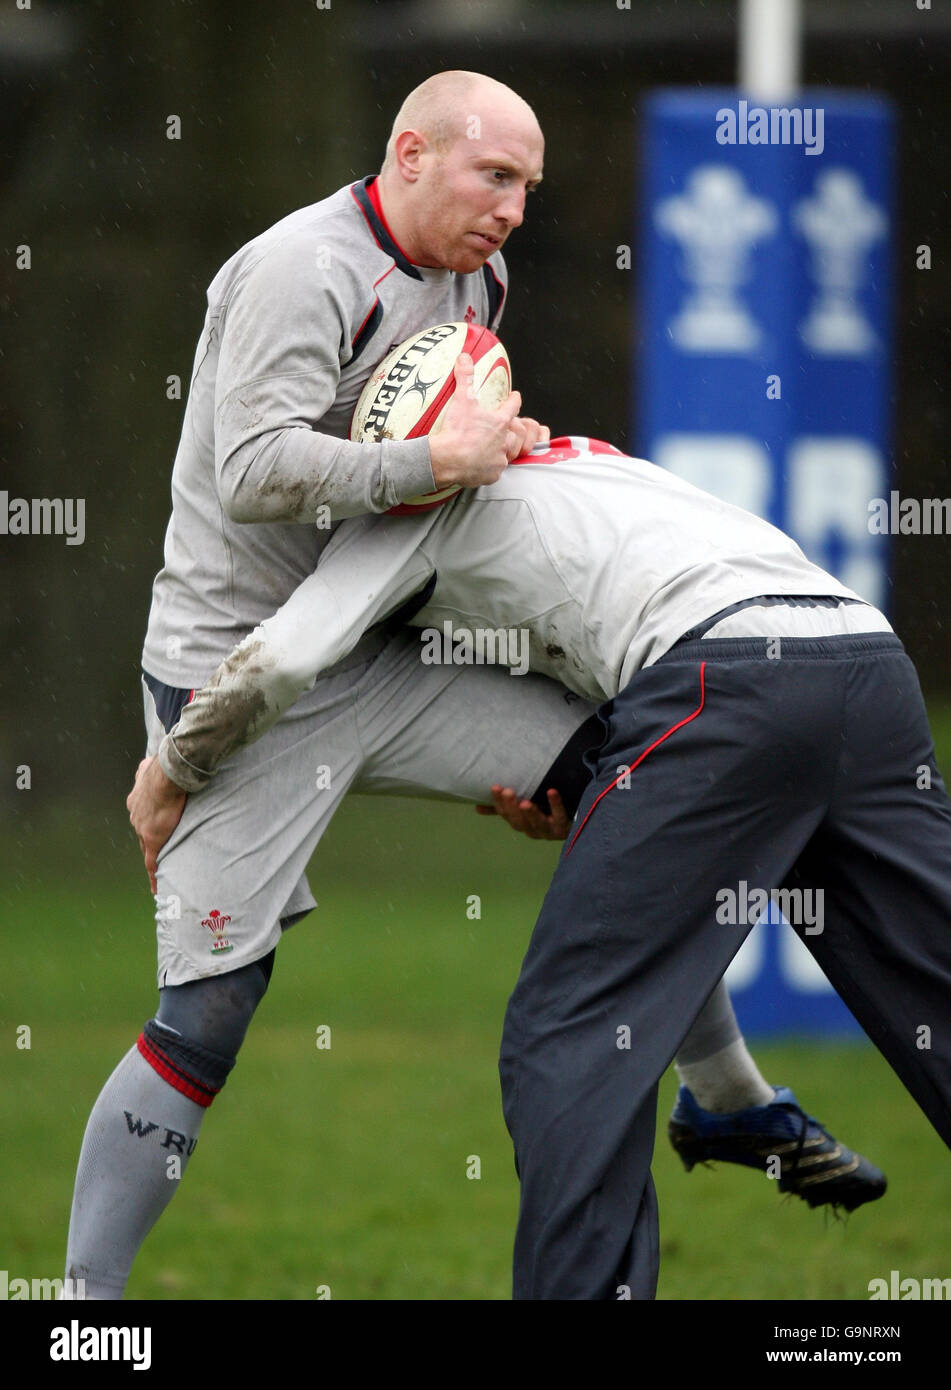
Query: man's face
point(469, 197)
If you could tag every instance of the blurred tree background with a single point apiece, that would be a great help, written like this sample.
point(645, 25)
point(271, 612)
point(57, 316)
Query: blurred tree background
point(280, 104)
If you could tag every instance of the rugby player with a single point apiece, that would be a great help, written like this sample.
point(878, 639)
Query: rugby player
point(761, 723)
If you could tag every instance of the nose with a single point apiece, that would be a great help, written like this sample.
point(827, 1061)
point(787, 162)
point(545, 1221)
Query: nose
point(511, 208)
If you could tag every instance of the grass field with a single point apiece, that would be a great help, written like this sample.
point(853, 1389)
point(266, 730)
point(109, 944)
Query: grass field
point(347, 1167)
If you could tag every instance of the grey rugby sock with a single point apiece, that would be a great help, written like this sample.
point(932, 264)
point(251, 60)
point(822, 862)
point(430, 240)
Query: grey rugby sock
point(715, 1027)
point(139, 1138)
point(713, 1061)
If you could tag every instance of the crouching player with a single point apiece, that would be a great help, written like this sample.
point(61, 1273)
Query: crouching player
point(719, 763)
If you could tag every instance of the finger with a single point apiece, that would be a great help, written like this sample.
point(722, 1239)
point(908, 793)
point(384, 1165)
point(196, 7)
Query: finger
point(538, 825)
point(485, 810)
point(464, 370)
point(522, 816)
point(149, 867)
point(505, 805)
point(538, 430)
point(536, 434)
point(536, 822)
point(512, 406)
point(561, 821)
point(507, 412)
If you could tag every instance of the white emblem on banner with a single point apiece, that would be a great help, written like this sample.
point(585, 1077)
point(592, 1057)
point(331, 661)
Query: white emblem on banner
point(841, 226)
point(717, 222)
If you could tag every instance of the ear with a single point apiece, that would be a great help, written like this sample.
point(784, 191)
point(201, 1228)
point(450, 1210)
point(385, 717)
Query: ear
point(409, 148)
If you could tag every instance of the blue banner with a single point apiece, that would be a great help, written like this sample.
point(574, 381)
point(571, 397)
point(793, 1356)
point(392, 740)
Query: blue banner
point(763, 356)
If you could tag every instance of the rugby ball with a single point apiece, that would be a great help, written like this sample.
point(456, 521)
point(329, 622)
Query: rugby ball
point(408, 393)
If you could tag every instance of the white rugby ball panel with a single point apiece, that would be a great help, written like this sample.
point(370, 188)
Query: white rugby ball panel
point(406, 396)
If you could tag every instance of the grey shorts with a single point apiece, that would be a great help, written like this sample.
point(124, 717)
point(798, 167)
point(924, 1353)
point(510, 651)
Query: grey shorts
point(232, 876)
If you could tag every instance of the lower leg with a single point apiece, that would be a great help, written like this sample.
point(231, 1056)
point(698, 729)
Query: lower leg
point(144, 1126)
point(713, 1061)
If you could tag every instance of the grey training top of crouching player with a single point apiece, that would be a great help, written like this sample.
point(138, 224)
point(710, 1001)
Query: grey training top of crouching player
point(604, 561)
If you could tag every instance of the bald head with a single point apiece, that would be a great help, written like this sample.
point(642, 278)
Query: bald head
point(452, 106)
point(463, 153)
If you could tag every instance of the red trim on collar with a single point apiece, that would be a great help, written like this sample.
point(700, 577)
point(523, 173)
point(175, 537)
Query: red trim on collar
point(374, 197)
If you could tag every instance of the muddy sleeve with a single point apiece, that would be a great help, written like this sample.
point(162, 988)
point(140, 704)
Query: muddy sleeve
point(372, 566)
point(283, 336)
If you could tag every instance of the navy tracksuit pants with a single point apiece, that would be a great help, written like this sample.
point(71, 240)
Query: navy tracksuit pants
point(812, 767)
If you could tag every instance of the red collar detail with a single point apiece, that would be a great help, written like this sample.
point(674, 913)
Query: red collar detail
point(374, 196)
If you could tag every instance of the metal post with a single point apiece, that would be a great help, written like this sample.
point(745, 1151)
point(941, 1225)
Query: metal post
point(770, 43)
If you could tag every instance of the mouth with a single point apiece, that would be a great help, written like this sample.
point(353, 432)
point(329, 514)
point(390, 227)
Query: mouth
point(487, 242)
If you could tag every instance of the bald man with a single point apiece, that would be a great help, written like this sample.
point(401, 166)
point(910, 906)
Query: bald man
point(264, 472)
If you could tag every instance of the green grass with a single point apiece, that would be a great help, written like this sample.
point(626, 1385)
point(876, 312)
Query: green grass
point(347, 1167)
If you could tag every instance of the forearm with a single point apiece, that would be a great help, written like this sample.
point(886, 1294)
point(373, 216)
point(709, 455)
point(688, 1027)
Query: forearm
point(246, 695)
point(361, 579)
point(299, 475)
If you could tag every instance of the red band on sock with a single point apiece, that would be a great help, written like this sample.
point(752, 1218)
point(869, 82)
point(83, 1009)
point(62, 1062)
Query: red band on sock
point(188, 1085)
